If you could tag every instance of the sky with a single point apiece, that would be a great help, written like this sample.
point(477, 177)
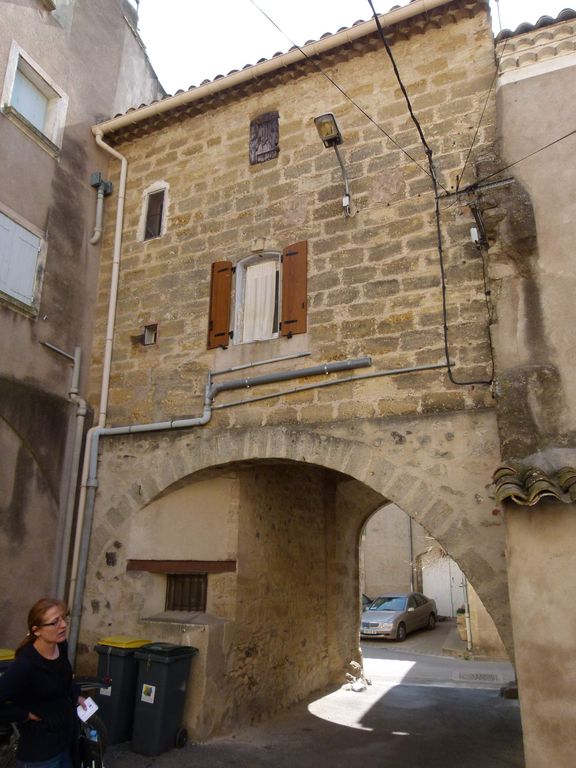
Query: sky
point(189, 41)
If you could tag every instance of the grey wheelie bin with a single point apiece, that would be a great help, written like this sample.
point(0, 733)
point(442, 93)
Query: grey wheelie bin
point(117, 670)
point(163, 670)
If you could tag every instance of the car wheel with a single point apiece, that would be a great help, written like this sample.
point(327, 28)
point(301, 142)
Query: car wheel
point(401, 632)
point(431, 621)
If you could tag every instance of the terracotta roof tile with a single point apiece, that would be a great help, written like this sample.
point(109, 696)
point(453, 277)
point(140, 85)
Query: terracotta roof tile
point(527, 485)
point(543, 21)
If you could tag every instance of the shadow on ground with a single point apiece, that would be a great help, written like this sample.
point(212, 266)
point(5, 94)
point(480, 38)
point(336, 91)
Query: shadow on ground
point(383, 727)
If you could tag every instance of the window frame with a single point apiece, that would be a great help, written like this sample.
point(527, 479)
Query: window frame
point(30, 308)
point(292, 302)
point(154, 189)
point(242, 268)
point(50, 135)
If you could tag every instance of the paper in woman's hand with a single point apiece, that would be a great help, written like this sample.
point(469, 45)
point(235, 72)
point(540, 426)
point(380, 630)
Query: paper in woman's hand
point(86, 711)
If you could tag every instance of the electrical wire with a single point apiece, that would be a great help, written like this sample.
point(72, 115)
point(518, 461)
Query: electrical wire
point(461, 174)
point(400, 83)
point(431, 173)
point(437, 213)
point(340, 89)
point(473, 187)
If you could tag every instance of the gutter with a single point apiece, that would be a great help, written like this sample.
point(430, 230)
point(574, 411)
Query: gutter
point(294, 56)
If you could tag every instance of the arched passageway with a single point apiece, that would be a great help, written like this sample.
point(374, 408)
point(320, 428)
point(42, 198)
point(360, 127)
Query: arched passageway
point(398, 555)
point(276, 533)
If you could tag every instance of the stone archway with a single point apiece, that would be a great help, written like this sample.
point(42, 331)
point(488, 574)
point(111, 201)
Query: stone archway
point(291, 490)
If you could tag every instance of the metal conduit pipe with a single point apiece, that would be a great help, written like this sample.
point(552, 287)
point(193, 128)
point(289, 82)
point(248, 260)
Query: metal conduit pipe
point(99, 216)
point(91, 485)
point(90, 470)
point(255, 363)
point(319, 385)
point(271, 378)
point(106, 365)
point(81, 411)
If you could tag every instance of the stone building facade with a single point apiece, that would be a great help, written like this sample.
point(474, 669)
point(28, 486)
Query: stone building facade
point(249, 463)
point(55, 83)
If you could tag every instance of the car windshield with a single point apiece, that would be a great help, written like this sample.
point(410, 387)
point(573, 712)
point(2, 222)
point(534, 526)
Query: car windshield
point(389, 603)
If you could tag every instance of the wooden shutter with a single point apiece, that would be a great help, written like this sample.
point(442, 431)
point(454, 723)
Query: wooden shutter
point(294, 289)
point(19, 251)
point(220, 298)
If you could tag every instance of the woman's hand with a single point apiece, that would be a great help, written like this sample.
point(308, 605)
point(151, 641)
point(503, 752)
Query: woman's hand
point(82, 702)
point(35, 718)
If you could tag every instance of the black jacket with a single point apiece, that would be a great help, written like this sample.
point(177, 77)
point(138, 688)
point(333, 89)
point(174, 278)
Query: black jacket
point(44, 687)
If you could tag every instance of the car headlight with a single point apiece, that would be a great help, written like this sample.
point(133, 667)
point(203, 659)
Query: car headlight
point(386, 625)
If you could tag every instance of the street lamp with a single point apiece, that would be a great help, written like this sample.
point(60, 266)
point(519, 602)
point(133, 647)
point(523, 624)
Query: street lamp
point(329, 132)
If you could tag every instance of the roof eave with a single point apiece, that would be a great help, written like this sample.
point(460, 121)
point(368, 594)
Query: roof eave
point(349, 35)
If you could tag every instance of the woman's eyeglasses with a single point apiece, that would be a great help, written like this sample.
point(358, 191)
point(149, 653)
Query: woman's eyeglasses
point(60, 620)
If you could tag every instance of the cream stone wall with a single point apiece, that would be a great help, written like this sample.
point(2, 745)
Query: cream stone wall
point(536, 88)
point(294, 477)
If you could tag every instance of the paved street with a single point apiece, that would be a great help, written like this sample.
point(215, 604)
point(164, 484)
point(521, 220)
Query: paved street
point(421, 711)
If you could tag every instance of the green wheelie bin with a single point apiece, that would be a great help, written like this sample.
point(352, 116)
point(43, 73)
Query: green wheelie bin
point(163, 671)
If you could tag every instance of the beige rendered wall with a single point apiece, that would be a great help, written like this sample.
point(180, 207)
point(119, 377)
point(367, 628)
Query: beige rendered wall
point(536, 101)
point(542, 564)
point(88, 50)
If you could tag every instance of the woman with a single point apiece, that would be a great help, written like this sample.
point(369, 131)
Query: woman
point(37, 691)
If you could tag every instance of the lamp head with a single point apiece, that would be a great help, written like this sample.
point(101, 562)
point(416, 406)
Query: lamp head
point(328, 129)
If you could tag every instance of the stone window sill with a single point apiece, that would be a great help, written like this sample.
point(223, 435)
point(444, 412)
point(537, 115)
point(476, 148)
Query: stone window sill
point(185, 619)
point(30, 130)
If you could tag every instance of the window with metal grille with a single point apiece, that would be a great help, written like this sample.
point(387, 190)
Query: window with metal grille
point(186, 592)
point(154, 211)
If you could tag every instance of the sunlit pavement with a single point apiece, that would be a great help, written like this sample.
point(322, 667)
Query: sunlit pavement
point(421, 711)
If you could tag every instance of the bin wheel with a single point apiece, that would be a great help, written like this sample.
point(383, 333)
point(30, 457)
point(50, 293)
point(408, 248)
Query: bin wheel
point(181, 737)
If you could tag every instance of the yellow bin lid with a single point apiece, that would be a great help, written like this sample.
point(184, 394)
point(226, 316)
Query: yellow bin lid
point(6, 654)
point(123, 641)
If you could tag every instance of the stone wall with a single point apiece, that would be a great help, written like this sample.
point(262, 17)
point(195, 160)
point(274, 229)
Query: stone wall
point(374, 288)
point(373, 279)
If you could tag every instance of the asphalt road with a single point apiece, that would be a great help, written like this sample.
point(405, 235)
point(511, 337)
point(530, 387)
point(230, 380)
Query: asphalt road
point(421, 711)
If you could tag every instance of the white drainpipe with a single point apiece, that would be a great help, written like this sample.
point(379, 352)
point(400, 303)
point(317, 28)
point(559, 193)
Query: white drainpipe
point(105, 386)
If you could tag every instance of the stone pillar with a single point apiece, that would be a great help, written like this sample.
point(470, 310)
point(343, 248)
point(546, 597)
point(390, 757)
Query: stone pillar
point(541, 552)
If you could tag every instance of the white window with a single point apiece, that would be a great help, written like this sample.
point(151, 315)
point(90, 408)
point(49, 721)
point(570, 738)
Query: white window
point(20, 263)
point(32, 100)
point(257, 298)
point(271, 297)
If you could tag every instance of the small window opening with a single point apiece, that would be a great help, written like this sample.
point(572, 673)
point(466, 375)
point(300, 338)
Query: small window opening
point(150, 335)
point(186, 592)
point(154, 213)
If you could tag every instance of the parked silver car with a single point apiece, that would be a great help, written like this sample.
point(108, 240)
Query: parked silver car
point(397, 614)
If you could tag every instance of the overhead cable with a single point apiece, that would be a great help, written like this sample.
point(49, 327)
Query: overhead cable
point(340, 89)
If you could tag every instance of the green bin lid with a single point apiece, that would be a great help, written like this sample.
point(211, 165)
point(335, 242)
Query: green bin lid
point(6, 654)
point(123, 641)
point(167, 650)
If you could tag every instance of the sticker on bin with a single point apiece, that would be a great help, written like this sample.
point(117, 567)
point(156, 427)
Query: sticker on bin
point(106, 691)
point(148, 693)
